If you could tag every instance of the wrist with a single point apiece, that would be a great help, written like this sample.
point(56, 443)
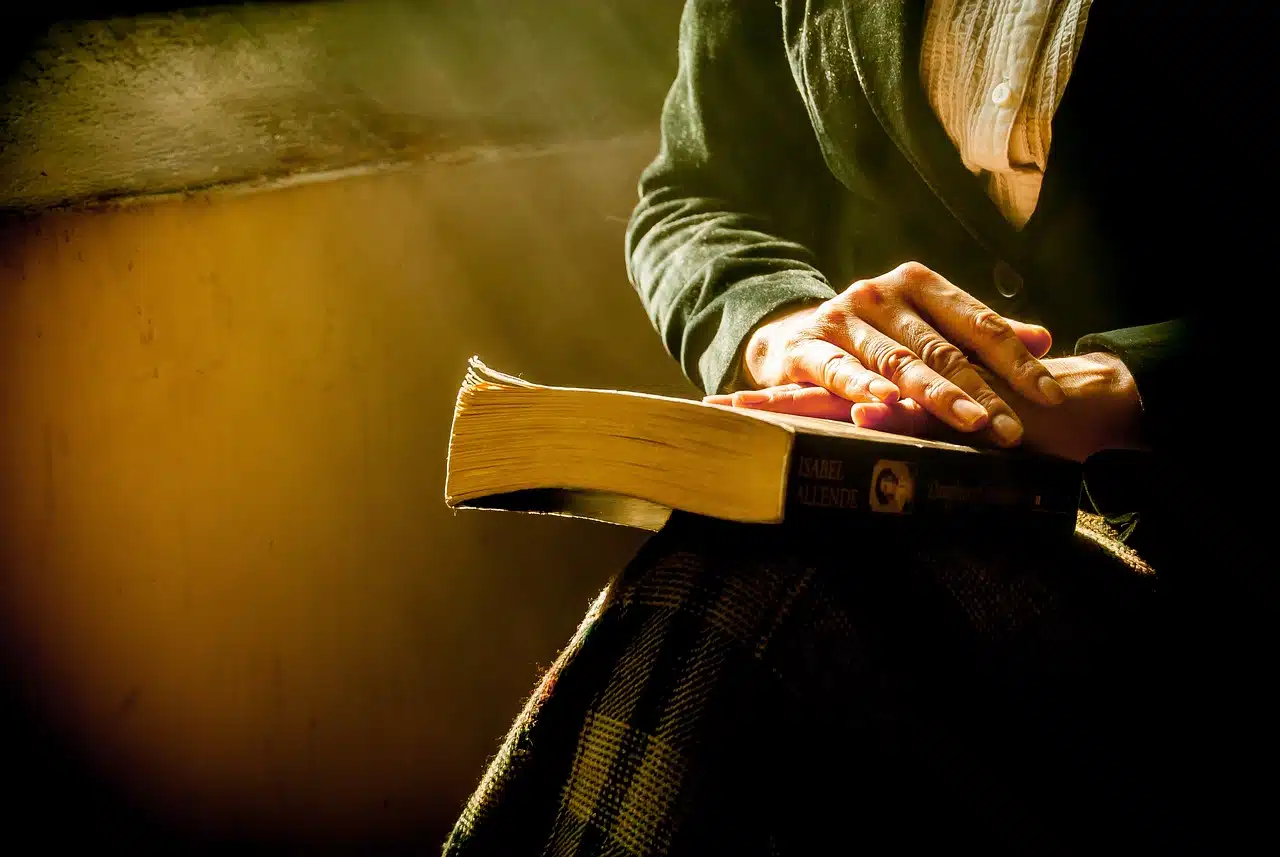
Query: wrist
point(1121, 389)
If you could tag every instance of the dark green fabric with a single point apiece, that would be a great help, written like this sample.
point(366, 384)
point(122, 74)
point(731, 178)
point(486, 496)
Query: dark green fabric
point(719, 240)
point(799, 153)
point(1152, 354)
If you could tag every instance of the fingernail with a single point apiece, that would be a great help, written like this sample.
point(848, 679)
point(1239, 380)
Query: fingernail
point(1051, 390)
point(1006, 428)
point(863, 415)
point(752, 397)
point(883, 390)
point(970, 413)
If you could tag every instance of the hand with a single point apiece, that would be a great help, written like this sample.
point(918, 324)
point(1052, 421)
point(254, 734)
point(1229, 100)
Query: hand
point(1102, 409)
point(899, 336)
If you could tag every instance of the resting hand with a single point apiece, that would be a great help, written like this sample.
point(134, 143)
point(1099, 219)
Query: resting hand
point(1102, 409)
point(899, 336)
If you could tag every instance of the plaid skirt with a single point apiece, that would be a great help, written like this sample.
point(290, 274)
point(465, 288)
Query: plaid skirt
point(751, 691)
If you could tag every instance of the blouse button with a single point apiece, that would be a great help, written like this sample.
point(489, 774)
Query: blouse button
point(1002, 95)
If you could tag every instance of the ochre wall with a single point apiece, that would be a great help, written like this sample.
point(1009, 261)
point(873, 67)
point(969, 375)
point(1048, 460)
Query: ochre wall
point(229, 578)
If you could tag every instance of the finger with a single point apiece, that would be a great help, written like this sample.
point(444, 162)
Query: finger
point(902, 417)
point(1035, 338)
point(883, 304)
point(966, 321)
point(904, 325)
point(804, 401)
point(907, 417)
point(741, 396)
point(916, 379)
point(827, 365)
point(800, 399)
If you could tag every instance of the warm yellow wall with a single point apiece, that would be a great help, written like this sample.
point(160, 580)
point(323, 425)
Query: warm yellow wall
point(227, 565)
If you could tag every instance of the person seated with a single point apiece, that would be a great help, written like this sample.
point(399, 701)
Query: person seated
point(897, 213)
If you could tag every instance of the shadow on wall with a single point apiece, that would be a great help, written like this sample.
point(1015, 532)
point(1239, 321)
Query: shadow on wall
point(234, 604)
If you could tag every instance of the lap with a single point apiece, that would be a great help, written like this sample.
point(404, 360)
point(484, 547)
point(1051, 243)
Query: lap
point(736, 680)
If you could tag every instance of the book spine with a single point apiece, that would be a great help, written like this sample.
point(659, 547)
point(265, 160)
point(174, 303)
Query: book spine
point(833, 479)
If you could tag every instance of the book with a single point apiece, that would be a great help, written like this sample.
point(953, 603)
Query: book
point(632, 458)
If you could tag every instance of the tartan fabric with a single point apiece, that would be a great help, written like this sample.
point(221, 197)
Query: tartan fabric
point(737, 690)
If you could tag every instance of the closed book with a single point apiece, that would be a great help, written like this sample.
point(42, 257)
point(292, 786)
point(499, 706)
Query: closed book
point(631, 458)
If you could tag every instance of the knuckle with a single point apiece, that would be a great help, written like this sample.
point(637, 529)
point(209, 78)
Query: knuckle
point(990, 325)
point(865, 294)
point(914, 270)
point(989, 400)
point(834, 316)
point(894, 361)
point(938, 388)
point(914, 273)
point(836, 367)
point(943, 357)
point(861, 381)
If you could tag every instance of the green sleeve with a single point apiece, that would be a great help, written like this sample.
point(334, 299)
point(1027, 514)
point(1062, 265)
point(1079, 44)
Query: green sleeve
point(725, 229)
point(1156, 355)
point(1134, 490)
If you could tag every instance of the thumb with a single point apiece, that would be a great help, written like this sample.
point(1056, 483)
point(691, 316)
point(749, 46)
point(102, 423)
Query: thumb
point(1037, 339)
